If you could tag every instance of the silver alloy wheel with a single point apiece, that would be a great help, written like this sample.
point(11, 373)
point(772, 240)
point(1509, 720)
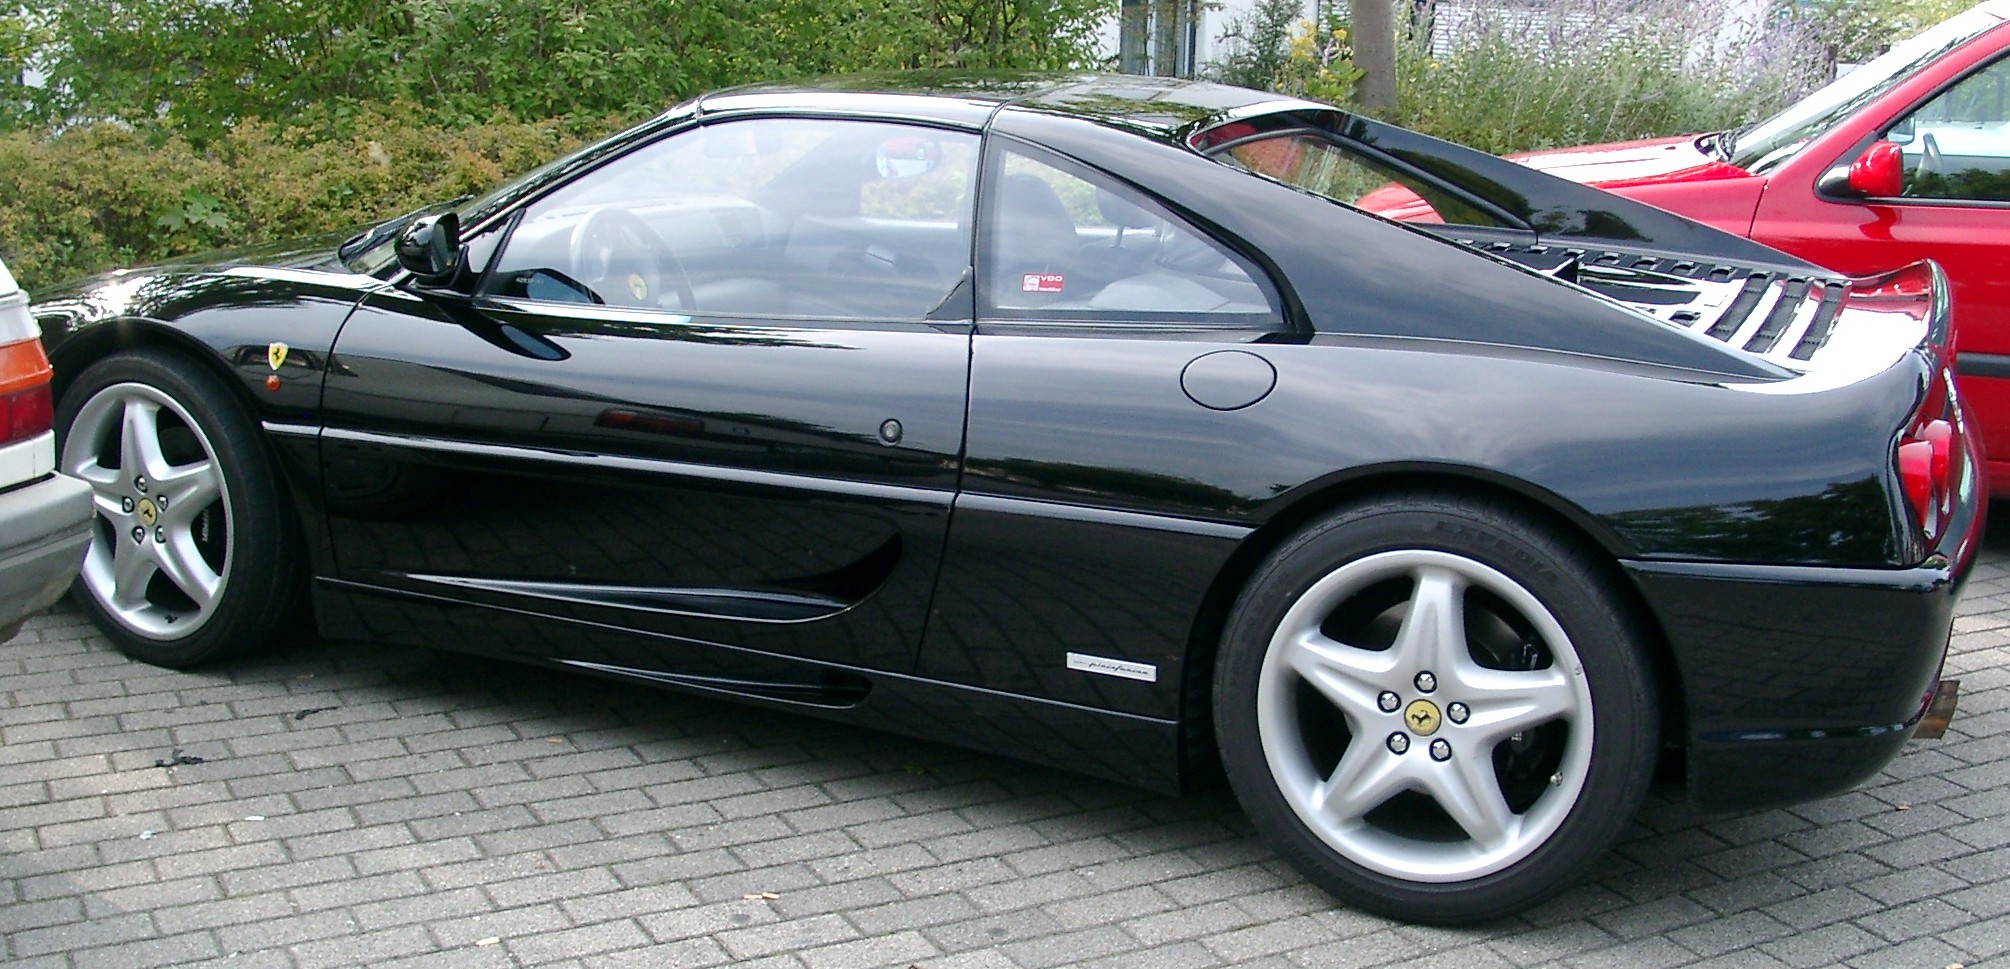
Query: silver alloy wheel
point(1354, 798)
point(160, 559)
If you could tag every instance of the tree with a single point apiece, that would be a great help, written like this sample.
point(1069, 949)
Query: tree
point(1373, 27)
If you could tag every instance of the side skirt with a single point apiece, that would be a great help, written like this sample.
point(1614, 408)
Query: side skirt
point(1131, 749)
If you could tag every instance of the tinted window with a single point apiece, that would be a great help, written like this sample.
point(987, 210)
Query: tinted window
point(768, 217)
point(1068, 243)
point(1322, 166)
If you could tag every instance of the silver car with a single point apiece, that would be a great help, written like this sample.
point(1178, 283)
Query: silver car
point(45, 517)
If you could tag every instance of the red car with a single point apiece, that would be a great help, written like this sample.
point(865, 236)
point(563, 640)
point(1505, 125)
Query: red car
point(1904, 158)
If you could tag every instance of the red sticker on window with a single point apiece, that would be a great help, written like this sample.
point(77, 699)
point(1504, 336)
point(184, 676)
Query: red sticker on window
point(1042, 282)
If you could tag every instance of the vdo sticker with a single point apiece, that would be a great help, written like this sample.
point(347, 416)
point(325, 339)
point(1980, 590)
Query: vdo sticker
point(1042, 283)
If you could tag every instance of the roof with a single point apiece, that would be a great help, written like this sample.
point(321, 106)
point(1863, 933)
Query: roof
point(1162, 107)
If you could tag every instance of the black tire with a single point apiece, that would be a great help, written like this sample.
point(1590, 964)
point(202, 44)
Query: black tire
point(1387, 853)
point(246, 533)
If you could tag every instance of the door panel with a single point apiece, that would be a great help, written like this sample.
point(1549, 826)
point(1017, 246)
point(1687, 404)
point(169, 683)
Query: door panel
point(696, 397)
point(723, 481)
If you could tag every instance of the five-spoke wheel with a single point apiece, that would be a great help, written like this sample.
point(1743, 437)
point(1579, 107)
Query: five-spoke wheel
point(162, 554)
point(193, 554)
point(1435, 707)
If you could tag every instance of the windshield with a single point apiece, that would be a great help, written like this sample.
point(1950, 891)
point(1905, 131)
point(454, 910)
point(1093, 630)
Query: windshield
point(1770, 143)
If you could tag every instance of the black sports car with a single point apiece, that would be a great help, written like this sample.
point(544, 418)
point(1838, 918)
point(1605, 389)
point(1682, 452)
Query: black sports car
point(1076, 419)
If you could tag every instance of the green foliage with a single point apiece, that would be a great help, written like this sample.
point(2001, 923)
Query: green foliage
point(24, 37)
point(1520, 85)
point(103, 195)
point(1858, 30)
point(1318, 63)
point(1257, 44)
point(1273, 49)
point(199, 66)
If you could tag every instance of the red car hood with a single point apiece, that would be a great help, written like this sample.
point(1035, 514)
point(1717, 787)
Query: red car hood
point(1655, 161)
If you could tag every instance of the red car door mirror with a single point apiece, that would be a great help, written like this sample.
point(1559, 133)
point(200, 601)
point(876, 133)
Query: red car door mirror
point(1877, 173)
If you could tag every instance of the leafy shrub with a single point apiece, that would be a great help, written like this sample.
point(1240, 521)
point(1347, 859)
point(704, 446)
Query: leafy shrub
point(1505, 78)
point(104, 195)
point(200, 66)
point(1272, 48)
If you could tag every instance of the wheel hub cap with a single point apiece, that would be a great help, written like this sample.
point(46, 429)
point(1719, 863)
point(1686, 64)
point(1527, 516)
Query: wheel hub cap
point(1421, 716)
point(156, 477)
point(1338, 708)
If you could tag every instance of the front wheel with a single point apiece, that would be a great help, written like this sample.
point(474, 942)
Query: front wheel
point(1435, 708)
point(194, 554)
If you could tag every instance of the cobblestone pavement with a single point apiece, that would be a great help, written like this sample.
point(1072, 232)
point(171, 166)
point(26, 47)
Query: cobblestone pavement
point(331, 804)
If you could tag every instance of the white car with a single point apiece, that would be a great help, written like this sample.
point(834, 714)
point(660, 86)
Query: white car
point(45, 517)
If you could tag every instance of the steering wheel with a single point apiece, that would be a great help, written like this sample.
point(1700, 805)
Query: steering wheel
point(1929, 159)
point(618, 256)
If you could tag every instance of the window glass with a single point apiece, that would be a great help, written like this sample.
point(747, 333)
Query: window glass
point(1068, 244)
point(793, 218)
point(1770, 143)
point(1323, 167)
point(1957, 146)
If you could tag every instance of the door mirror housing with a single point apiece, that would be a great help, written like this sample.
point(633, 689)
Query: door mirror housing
point(430, 248)
point(1877, 173)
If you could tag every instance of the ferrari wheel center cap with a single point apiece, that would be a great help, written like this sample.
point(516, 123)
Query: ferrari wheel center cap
point(149, 514)
point(1422, 717)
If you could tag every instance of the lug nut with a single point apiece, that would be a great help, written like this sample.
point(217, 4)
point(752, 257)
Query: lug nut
point(1399, 742)
point(161, 502)
point(1457, 712)
point(160, 535)
point(140, 485)
point(1388, 701)
point(1426, 682)
point(139, 534)
point(1440, 750)
point(126, 505)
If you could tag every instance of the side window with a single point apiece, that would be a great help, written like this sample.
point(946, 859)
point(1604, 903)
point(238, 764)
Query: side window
point(1957, 146)
point(1066, 243)
point(772, 217)
point(1326, 168)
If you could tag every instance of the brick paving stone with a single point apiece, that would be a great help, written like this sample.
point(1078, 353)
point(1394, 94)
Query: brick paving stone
point(446, 801)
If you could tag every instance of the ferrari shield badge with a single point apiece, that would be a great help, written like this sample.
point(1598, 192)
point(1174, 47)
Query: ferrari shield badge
point(1423, 717)
point(275, 354)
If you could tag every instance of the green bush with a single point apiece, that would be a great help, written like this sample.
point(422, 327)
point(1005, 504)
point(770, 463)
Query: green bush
point(99, 196)
point(199, 67)
point(1589, 71)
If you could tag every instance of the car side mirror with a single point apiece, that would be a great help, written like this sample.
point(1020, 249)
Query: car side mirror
point(1877, 173)
point(430, 248)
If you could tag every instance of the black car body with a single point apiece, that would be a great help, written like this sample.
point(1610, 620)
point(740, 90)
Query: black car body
point(892, 476)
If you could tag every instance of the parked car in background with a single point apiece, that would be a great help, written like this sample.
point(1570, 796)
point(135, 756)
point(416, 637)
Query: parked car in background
point(1904, 158)
point(45, 518)
point(1071, 418)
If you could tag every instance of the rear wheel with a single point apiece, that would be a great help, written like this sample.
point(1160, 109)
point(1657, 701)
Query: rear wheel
point(1435, 708)
point(194, 555)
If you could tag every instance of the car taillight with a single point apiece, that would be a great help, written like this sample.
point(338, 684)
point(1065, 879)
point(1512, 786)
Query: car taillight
point(26, 407)
point(1930, 459)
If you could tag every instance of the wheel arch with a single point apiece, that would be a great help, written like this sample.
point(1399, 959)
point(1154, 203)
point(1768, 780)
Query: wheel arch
point(1598, 545)
point(79, 350)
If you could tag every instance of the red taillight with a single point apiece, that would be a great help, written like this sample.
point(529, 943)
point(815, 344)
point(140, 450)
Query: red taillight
point(1929, 460)
point(25, 404)
point(25, 414)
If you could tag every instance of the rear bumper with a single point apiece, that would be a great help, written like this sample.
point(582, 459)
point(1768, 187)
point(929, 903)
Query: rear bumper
point(1799, 682)
point(44, 530)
